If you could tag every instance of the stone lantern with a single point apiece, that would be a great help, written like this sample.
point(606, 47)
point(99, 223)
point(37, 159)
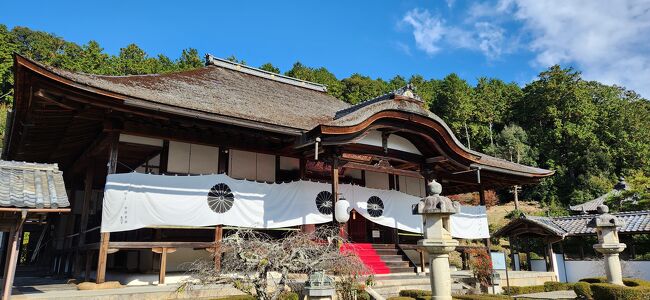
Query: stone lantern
point(438, 243)
point(607, 230)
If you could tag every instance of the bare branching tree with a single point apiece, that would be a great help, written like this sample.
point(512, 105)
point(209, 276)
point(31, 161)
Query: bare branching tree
point(259, 265)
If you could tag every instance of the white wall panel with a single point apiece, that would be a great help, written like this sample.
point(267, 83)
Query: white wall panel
point(265, 167)
point(412, 186)
point(243, 164)
point(377, 180)
point(252, 166)
point(179, 157)
point(289, 163)
point(134, 139)
point(204, 159)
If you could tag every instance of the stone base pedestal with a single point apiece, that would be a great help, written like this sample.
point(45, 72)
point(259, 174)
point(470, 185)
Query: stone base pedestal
point(439, 273)
point(612, 261)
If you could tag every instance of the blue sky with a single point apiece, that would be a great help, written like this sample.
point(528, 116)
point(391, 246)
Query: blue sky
point(510, 39)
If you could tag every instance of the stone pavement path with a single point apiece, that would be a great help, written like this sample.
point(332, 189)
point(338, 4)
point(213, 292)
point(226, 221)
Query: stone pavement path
point(548, 295)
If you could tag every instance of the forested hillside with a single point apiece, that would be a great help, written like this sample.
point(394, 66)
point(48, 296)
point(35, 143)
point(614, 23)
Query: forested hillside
point(588, 132)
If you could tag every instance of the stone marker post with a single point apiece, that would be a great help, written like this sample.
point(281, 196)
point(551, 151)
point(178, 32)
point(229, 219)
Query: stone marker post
point(608, 244)
point(435, 211)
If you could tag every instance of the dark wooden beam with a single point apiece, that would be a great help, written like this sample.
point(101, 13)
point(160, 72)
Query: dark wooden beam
point(358, 166)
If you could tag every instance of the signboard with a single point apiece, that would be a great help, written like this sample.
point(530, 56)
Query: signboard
point(498, 260)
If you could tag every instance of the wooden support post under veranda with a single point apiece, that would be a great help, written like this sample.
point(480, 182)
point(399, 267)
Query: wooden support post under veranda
point(15, 234)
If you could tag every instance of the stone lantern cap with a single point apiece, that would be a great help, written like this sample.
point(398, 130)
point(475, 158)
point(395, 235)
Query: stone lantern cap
point(434, 203)
point(605, 219)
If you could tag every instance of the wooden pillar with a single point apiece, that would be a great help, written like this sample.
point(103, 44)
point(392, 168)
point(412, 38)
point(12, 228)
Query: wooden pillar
point(10, 263)
point(12, 256)
point(422, 261)
point(335, 186)
point(549, 254)
point(218, 236)
point(163, 266)
point(105, 236)
point(335, 196)
point(83, 224)
point(89, 262)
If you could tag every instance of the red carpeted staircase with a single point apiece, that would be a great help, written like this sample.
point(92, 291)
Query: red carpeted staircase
point(380, 258)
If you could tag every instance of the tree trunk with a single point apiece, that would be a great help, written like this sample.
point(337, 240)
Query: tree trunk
point(491, 139)
point(516, 190)
point(469, 146)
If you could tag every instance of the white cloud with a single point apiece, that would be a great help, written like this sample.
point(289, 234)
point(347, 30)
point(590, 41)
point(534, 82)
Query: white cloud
point(427, 30)
point(431, 34)
point(608, 41)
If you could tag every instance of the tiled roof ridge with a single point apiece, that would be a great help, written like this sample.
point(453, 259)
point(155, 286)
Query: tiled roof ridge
point(407, 91)
point(224, 63)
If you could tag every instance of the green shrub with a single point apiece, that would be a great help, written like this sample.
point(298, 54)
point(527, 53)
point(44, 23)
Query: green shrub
point(632, 282)
point(238, 297)
point(607, 291)
point(518, 290)
point(594, 279)
point(289, 296)
point(583, 290)
point(415, 293)
point(362, 296)
point(551, 286)
point(481, 297)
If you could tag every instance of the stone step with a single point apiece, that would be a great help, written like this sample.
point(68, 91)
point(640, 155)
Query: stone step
point(397, 264)
point(395, 257)
point(384, 246)
point(387, 251)
point(401, 269)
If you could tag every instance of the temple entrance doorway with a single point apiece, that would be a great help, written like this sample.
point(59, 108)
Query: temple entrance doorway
point(362, 230)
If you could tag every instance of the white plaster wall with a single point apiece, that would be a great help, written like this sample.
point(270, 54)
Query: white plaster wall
point(192, 158)
point(412, 186)
point(251, 166)
point(289, 163)
point(134, 139)
point(377, 180)
point(578, 269)
point(373, 138)
point(538, 265)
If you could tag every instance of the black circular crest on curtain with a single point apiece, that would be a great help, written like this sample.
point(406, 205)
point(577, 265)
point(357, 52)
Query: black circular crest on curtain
point(324, 203)
point(220, 198)
point(375, 206)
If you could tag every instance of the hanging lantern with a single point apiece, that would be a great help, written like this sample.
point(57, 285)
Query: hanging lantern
point(342, 210)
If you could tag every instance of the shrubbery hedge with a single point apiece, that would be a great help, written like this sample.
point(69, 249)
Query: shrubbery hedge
point(583, 290)
point(414, 293)
point(551, 286)
point(548, 286)
point(481, 297)
point(599, 289)
point(518, 290)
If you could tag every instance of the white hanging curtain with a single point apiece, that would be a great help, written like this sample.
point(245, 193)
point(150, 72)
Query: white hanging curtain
point(135, 200)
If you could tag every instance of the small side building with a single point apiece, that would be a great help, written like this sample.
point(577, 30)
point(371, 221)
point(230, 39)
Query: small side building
point(29, 194)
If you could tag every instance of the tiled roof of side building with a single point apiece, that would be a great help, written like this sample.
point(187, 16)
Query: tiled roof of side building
point(31, 185)
point(634, 222)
